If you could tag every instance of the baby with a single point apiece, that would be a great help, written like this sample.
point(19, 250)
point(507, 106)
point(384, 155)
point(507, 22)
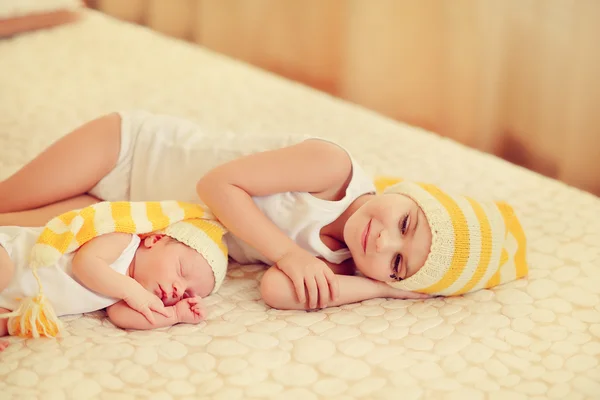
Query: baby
point(144, 281)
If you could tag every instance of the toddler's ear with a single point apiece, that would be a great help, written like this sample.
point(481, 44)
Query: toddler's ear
point(151, 240)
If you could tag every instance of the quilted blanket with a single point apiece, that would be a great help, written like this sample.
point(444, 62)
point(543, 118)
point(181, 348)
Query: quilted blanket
point(536, 338)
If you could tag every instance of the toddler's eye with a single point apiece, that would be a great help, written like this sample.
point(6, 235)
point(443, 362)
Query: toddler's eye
point(404, 224)
point(395, 267)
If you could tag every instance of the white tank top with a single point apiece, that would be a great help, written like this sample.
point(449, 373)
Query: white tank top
point(301, 216)
point(167, 155)
point(61, 288)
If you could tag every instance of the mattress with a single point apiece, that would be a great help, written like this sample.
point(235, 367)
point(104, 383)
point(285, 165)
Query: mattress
point(536, 338)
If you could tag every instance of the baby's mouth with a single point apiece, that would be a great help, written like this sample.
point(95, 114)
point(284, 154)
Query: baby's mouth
point(162, 294)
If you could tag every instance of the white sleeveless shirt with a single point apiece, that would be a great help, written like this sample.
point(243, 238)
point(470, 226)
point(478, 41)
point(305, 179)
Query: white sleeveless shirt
point(162, 157)
point(301, 216)
point(61, 288)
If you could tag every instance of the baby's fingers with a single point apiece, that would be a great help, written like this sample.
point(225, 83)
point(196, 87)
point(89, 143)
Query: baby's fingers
point(193, 300)
point(159, 307)
point(146, 312)
point(199, 310)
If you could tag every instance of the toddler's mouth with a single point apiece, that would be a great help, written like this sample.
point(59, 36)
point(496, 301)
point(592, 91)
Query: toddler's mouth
point(365, 236)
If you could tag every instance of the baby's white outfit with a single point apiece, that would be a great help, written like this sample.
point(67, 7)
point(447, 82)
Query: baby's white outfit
point(61, 288)
point(163, 157)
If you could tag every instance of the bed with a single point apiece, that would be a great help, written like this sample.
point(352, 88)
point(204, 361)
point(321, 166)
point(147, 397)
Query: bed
point(536, 338)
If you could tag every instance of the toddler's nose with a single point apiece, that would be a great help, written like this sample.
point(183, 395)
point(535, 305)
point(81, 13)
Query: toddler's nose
point(382, 241)
point(387, 242)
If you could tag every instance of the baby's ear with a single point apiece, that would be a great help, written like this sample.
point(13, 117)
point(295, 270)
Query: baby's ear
point(151, 240)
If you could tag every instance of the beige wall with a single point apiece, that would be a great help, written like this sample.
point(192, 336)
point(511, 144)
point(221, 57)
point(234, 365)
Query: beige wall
point(518, 78)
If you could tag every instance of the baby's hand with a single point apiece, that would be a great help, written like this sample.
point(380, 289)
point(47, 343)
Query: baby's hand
point(190, 310)
point(312, 275)
point(144, 302)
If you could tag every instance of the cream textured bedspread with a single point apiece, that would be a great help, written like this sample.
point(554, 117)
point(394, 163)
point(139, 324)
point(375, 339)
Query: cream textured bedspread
point(537, 338)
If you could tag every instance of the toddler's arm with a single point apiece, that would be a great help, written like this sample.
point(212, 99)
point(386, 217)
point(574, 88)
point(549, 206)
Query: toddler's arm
point(277, 291)
point(313, 166)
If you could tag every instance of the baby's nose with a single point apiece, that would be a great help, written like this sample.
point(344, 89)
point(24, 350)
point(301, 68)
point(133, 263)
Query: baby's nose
point(177, 291)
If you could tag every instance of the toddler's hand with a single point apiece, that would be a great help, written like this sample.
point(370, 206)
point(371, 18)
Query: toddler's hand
point(190, 310)
point(144, 302)
point(310, 275)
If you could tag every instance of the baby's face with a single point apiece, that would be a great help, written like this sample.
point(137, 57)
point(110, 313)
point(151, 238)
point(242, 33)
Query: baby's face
point(389, 237)
point(172, 270)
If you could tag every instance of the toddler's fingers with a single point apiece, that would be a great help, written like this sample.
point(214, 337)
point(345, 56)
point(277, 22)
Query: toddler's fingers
point(299, 288)
point(334, 285)
point(313, 292)
point(323, 290)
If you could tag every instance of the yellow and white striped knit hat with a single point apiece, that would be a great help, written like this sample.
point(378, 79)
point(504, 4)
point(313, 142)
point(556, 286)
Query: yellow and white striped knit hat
point(475, 245)
point(206, 237)
point(190, 224)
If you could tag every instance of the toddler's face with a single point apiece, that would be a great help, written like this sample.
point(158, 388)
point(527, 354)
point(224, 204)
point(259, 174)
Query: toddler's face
point(389, 237)
point(172, 270)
